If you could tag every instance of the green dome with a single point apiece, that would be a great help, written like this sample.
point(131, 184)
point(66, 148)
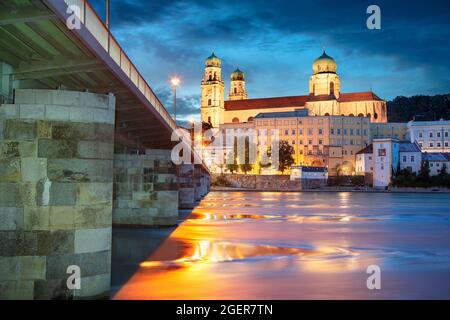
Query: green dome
point(237, 75)
point(324, 64)
point(213, 61)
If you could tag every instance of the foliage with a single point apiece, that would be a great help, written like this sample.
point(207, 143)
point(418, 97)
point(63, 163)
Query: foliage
point(221, 181)
point(285, 158)
point(406, 178)
point(422, 108)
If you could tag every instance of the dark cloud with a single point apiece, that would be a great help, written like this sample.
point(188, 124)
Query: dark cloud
point(275, 41)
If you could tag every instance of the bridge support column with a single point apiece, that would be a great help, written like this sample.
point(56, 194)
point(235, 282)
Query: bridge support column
point(56, 157)
point(186, 186)
point(198, 182)
point(145, 189)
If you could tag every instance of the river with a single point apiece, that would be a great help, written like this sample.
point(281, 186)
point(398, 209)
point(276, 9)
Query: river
point(274, 245)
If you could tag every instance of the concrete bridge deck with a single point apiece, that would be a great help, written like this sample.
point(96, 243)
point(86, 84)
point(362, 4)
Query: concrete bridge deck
point(84, 144)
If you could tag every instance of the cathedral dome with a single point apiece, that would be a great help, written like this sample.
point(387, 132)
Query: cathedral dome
point(237, 75)
point(324, 64)
point(213, 61)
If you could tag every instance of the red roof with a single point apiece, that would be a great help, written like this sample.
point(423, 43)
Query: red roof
point(263, 103)
point(294, 101)
point(358, 96)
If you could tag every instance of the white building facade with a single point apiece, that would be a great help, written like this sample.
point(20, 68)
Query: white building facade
point(410, 156)
point(386, 157)
point(431, 136)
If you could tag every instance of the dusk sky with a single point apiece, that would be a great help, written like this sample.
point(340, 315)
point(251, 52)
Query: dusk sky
point(275, 43)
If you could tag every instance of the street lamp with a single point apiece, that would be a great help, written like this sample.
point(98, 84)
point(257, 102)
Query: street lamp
point(175, 81)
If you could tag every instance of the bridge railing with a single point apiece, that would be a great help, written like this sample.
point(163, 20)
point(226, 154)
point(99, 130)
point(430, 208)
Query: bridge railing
point(87, 15)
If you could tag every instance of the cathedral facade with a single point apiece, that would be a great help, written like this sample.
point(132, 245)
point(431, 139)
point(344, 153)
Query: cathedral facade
point(325, 97)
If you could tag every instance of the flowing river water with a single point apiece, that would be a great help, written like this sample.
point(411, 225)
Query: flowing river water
point(274, 245)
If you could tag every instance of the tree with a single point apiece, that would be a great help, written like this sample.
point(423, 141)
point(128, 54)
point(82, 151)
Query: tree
point(443, 171)
point(424, 173)
point(285, 158)
point(244, 160)
point(232, 162)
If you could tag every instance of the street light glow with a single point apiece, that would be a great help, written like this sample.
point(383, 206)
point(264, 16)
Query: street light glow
point(175, 81)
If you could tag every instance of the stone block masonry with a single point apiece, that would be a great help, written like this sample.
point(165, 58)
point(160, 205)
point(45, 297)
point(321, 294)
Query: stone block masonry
point(186, 186)
point(56, 193)
point(145, 189)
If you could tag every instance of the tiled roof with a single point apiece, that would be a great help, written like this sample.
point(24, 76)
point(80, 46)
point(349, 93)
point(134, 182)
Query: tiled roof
point(264, 103)
point(409, 147)
point(435, 156)
point(295, 101)
point(286, 114)
point(358, 96)
point(310, 168)
point(366, 150)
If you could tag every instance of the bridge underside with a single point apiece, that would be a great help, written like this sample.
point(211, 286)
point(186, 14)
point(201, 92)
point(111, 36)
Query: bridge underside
point(84, 144)
point(44, 53)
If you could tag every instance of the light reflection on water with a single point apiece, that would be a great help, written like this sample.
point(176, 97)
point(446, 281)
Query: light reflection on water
point(239, 245)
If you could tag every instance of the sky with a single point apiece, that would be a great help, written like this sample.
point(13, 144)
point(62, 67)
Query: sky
point(275, 43)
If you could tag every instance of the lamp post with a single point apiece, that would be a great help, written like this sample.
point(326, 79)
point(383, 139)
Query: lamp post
point(175, 82)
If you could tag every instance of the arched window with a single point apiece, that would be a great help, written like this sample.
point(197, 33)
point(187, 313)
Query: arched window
point(250, 119)
point(235, 90)
point(375, 115)
point(235, 120)
point(327, 114)
point(210, 77)
point(215, 76)
point(369, 115)
point(360, 115)
point(351, 115)
point(209, 119)
point(314, 89)
point(331, 87)
point(209, 102)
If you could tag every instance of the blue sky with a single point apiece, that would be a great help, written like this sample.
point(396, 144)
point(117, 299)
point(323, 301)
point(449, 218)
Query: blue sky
point(275, 42)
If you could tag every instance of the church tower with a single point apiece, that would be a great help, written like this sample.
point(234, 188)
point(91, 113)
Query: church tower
point(213, 92)
point(237, 86)
point(324, 80)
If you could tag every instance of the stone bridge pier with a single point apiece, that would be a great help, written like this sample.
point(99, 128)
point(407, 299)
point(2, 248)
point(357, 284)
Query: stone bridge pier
point(65, 181)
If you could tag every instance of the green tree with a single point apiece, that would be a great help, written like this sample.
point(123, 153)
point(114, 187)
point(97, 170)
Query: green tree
point(443, 171)
point(424, 173)
point(232, 162)
point(244, 160)
point(285, 158)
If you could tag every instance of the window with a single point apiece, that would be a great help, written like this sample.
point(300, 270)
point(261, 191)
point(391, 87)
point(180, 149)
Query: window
point(235, 90)
point(370, 157)
point(338, 131)
point(331, 88)
point(446, 143)
point(235, 120)
point(365, 132)
point(420, 135)
point(320, 141)
point(293, 141)
point(293, 132)
point(286, 132)
point(431, 165)
point(431, 134)
point(351, 132)
point(209, 102)
point(332, 131)
point(345, 132)
point(438, 144)
point(412, 158)
point(300, 142)
point(209, 119)
point(310, 142)
point(431, 145)
point(309, 132)
point(300, 132)
point(320, 131)
point(438, 134)
point(446, 134)
point(438, 165)
point(404, 158)
point(358, 132)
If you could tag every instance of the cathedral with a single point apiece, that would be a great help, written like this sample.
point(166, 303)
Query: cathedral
point(324, 99)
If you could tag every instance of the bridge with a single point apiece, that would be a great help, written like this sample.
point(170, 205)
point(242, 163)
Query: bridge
point(85, 144)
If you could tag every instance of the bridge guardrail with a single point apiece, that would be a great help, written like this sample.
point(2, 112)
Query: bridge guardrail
point(95, 25)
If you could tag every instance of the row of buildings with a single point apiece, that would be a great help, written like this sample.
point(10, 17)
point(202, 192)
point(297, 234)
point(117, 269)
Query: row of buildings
point(326, 128)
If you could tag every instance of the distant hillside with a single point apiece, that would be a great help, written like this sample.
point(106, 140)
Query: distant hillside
point(403, 109)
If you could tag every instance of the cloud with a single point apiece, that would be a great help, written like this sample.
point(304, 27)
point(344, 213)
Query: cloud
point(276, 41)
